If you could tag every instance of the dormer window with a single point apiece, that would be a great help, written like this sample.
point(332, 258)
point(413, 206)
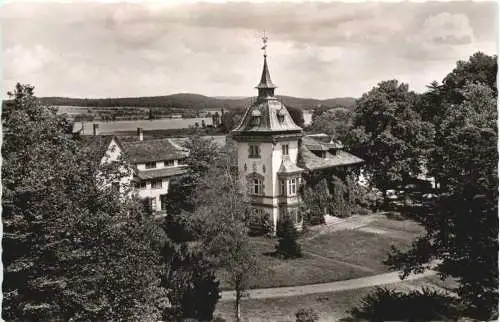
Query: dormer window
point(256, 117)
point(281, 115)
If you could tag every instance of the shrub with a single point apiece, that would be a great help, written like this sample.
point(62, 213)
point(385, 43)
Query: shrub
point(389, 305)
point(364, 212)
point(306, 315)
point(287, 246)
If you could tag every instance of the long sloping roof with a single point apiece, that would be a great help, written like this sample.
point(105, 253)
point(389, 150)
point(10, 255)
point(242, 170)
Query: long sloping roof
point(311, 161)
point(161, 173)
point(152, 150)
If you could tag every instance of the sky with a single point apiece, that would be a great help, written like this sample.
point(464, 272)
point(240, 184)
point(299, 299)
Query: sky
point(315, 49)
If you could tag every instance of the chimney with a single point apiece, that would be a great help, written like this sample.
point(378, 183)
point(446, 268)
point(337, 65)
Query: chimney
point(96, 126)
point(140, 134)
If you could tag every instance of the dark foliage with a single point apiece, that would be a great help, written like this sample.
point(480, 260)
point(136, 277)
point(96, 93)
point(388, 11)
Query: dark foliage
point(69, 241)
point(287, 246)
point(390, 305)
point(194, 287)
point(297, 115)
point(306, 315)
point(462, 224)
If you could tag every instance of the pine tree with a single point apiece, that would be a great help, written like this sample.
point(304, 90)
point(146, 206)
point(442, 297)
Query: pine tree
point(287, 246)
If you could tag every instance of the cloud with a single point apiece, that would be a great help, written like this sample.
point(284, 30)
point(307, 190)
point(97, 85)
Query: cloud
point(446, 28)
point(20, 61)
point(316, 49)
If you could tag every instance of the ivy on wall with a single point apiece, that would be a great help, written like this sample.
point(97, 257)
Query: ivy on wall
point(331, 192)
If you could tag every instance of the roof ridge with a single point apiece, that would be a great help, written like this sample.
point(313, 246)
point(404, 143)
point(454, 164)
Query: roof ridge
point(147, 141)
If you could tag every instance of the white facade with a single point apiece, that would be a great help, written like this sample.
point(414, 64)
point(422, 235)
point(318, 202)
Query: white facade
point(113, 154)
point(266, 166)
point(152, 188)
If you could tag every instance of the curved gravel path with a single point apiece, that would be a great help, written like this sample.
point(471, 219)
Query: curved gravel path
point(362, 282)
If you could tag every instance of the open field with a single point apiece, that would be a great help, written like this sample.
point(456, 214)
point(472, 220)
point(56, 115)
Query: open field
point(332, 256)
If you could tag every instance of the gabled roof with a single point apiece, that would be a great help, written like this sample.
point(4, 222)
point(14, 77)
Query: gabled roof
point(152, 150)
point(96, 144)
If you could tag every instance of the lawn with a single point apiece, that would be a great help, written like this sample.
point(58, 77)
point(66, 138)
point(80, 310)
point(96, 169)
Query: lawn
point(358, 247)
point(329, 306)
point(275, 272)
point(332, 256)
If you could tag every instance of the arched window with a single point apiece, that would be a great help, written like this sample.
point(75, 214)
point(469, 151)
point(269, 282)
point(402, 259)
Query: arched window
point(255, 184)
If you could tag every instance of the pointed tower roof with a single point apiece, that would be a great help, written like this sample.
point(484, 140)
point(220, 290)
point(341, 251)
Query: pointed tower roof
point(265, 79)
point(267, 114)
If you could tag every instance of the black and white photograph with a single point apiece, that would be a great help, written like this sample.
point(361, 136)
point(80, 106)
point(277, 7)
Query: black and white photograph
point(249, 161)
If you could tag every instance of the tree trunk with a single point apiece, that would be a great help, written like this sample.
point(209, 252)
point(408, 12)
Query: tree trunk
point(237, 306)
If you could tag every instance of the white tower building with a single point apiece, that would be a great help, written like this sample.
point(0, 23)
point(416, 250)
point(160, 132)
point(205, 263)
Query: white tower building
point(268, 146)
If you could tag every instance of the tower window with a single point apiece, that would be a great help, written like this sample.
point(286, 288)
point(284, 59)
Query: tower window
point(284, 149)
point(283, 187)
point(255, 183)
point(256, 186)
point(253, 151)
point(292, 186)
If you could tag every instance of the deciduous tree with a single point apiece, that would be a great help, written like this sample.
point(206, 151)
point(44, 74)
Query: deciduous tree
point(390, 135)
point(73, 249)
point(462, 226)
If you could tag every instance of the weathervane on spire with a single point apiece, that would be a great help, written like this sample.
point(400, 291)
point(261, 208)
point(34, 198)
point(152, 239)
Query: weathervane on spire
point(264, 41)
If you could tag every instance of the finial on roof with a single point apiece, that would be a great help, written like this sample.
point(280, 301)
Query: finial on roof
point(266, 86)
point(264, 41)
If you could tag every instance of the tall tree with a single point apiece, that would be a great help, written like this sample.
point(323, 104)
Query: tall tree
point(297, 115)
point(390, 135)
point(462, 231)
point(73, 249)
point(335, 122)
point(222, 212)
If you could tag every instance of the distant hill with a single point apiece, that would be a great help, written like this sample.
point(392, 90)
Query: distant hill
point(193, 102)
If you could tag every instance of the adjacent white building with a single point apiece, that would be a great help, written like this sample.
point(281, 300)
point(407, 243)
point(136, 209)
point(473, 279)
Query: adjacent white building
point(150, 165)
